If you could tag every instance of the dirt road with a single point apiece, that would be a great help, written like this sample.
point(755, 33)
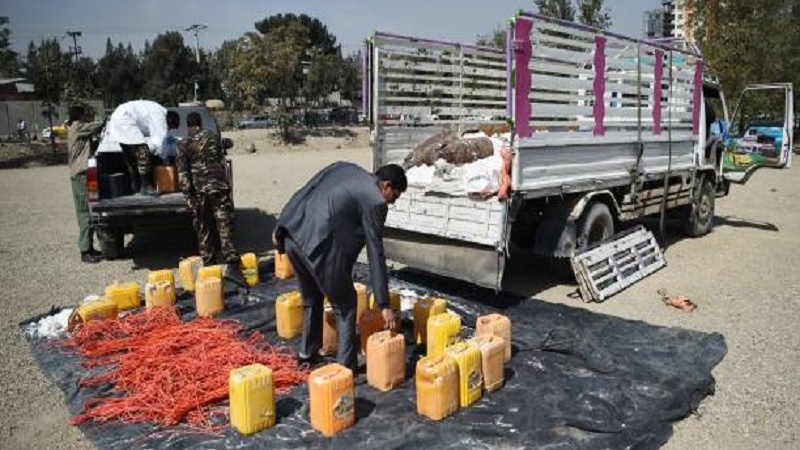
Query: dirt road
point(743, 276)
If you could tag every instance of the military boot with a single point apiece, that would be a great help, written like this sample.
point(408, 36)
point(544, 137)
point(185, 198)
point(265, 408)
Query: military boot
point(148, 190)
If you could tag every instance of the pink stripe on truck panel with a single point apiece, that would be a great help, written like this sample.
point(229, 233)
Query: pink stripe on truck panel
point(659, 75)
point(698, 91)
point(599, 85)
point(522, 80)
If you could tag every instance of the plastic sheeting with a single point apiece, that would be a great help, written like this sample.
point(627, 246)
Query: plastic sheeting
point(136, 122)
point(576, 380)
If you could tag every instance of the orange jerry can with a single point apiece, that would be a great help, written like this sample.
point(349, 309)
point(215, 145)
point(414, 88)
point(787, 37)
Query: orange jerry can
point(423, 309)
point(208, 297)
point(394, 300)
point(498, 325)
point(443, 330)
point(283, 267)
point(332, 397)
point(470, 376)
point(437, 386)
point(492, 357)
point(159, 293)
point(386, 360)
point(371, 322)
point(330, 337)
point(289, 314)
point(166, 179)
point(187, 270)
point(362, 301)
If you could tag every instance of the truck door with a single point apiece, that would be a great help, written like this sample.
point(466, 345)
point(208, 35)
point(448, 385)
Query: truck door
point(760, 133)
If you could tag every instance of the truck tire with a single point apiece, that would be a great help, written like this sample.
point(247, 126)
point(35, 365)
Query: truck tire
point(112, 242)
point(595, 225)
point(700, 214)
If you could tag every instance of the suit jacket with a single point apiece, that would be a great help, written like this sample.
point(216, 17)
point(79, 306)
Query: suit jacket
point(332, 218)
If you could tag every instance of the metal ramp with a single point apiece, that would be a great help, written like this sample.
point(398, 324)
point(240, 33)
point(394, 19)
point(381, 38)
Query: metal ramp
point(606, 268)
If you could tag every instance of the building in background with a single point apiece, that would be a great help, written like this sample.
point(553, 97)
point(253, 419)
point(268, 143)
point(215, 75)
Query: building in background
point(653, 24)
point(673, 20)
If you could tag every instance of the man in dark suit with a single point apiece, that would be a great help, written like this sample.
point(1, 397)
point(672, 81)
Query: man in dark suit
point(323, 229)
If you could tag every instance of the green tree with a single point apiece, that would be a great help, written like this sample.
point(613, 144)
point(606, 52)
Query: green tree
point(47, 67)
point(83, 80)
point(119, 74)
point(749, 41)
point(170, 69)
point(8, 58)
point(592, 13)
point(350, 78)
point(318, 38)
point(323, 77)
point(560, 9)
point(220, 69)
point(587, 12)
point(496, 39)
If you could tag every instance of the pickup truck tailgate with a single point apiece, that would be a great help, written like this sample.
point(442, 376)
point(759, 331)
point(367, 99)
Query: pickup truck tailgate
point(141, 204)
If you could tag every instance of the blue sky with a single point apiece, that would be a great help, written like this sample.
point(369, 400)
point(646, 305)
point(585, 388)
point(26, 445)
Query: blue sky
point(349, 20)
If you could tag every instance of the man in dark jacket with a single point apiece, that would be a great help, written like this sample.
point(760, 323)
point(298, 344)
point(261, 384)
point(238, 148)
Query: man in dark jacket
point(323, 229)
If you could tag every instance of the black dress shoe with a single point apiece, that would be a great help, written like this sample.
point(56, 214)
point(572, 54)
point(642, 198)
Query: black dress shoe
point(90, 258)
point(96, 253)
point(313, 361)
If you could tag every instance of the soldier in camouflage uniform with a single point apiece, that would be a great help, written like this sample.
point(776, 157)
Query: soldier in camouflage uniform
point(201, 172)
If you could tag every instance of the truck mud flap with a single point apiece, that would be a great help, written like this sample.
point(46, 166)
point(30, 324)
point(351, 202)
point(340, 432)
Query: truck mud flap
point(478, 264)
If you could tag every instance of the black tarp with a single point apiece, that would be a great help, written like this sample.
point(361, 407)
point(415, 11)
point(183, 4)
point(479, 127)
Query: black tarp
point(577, 380)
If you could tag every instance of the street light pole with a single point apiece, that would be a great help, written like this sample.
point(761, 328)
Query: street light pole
point(196, 29)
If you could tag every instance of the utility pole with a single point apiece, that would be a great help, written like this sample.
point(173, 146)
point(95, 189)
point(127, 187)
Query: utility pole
point(196, 29)
point(75, 49)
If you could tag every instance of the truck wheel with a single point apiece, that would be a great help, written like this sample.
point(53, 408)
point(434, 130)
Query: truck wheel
point(595, 225)
point(112, 242)
point(700, 218)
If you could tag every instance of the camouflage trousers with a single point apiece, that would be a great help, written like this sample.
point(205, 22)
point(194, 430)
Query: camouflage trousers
point(137, 158)
point(214, 226)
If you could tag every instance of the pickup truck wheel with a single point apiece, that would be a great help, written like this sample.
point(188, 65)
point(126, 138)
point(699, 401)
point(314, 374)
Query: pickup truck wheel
point(112, 242)
point(595, 225)
point(700, 218)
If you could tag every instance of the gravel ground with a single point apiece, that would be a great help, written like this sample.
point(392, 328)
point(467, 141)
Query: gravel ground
point(742, 276)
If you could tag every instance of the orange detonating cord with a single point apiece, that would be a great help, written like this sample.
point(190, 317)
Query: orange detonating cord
point(166, 371)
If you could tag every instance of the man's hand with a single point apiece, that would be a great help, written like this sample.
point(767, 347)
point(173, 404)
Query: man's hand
point(388, 318)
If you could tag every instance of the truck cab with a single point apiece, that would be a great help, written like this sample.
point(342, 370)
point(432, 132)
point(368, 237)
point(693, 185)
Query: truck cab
point(116, 211)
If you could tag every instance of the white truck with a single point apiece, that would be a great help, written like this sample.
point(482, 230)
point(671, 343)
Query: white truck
point(603, 129)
